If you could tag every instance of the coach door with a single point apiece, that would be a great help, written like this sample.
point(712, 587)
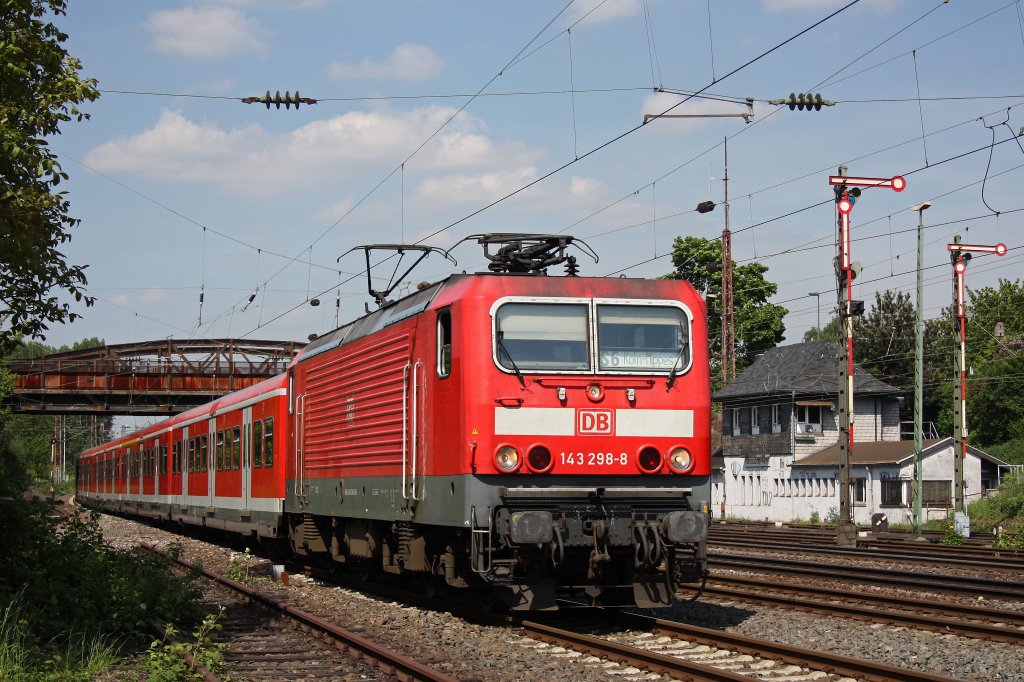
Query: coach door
point(209, 453)
point(246, 457)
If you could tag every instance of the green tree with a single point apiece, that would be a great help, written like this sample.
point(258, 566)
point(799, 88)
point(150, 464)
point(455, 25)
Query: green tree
point(25, 439)
point(884, 339)
point(995, 352)
point(759, 324)
point(40, 88)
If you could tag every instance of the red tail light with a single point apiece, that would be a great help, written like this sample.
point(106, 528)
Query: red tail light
point(649, 460)
point(539, 459)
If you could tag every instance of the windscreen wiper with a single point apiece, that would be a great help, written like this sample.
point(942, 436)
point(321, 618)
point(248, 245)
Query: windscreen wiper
point(515, 367)
point(683, 348)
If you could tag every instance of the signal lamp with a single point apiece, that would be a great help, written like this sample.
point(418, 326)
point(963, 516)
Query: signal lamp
point(649, 460)
point(506, 458)
point(680, 460)
point(539, 459)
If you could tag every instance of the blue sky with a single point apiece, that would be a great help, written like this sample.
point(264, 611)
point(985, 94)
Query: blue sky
point(398, 148)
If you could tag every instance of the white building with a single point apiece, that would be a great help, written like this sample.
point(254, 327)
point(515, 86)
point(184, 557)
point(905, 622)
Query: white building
point(780, 453)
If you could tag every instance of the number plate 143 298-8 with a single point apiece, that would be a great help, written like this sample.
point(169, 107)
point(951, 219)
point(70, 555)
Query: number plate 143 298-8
point(592, 459)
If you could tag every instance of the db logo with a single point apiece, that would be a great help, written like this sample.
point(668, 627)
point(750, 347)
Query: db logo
point(599, 422)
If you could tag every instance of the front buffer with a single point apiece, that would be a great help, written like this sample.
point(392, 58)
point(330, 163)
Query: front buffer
point(613, 545)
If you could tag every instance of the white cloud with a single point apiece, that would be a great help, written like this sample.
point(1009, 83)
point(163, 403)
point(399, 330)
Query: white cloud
point(274, 4)
point(157, 296)
point(457, 189)
point(249, 160)
point(801, 5)
point(609, 10)
point(329, 214)
point(586, 189)
point(206, 33)
point(120, 299)
point(407, 62)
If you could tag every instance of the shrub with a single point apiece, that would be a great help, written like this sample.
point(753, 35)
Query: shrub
point(1004, 507)
point(71, 591)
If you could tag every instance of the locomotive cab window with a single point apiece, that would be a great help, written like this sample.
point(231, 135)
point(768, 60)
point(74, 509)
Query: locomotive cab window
point(444, 343)
point(642, 338)
point(542, 336)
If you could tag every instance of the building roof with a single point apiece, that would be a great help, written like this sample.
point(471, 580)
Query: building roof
point(801, 370)
point(885, 452)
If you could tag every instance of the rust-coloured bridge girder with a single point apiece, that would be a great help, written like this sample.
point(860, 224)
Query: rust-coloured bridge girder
point(148, 378)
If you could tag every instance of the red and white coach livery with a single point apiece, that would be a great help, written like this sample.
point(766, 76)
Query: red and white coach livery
point(539, 436)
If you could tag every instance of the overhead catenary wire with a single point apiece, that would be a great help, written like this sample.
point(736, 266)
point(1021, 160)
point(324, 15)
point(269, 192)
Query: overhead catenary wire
point(624, 134)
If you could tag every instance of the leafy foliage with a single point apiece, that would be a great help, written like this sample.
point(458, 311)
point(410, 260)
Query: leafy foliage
point(40, 88)
point(72, 583)
point(759, 324)
point(166, 661)
point(1003, 509)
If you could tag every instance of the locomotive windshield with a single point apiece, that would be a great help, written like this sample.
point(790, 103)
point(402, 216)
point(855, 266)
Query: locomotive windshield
point(543, 336)
point(641, 338)
point(532, 336)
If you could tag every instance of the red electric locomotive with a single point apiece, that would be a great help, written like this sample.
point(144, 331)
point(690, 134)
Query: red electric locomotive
point(534, 435)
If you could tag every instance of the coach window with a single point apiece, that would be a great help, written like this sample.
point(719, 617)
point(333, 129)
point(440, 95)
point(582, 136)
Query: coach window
point(542, 336)
point(204, 450)
point(444, 343)
point(236, 446)
point(268, 442)
point(643, 338)
point(257, 444)
point(163, 460)
point(220, 451)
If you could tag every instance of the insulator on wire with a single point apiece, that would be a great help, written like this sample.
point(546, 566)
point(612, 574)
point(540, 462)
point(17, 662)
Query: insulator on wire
point(804, 100)
point(252, 297)
point(288, 100)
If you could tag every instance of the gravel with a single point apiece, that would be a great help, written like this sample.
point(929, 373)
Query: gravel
point(475, 652)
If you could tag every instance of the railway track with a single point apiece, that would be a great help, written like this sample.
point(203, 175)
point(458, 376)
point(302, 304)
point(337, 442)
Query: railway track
point(268, 640)
point(924, 552)
point(986, 588)
point(993, 563)
point(998, 625)
point(703, 655)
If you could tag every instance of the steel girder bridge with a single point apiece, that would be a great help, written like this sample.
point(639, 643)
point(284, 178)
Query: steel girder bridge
point(149, 378)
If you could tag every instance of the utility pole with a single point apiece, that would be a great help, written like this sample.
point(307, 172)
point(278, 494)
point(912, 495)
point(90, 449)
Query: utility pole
point(728, 318)
point(918, 365)
point(960, 255)
point(846, 271)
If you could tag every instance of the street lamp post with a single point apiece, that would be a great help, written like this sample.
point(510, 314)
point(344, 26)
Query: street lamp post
point(919, 364)
point(817, 296)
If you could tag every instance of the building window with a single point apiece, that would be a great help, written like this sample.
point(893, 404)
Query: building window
point(776, 419)
point(735, 421)
point(937, 494)
point(860, 487)
point(755, 420)
point(892, 492)
point(808, 418)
